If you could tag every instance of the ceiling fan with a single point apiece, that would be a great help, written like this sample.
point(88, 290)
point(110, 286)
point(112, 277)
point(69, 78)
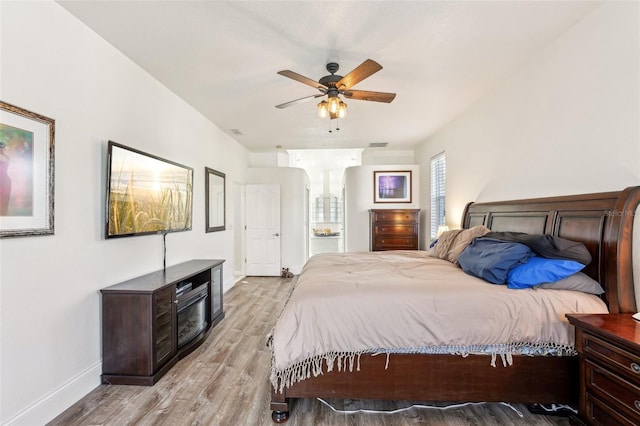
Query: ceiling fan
point(334, 85)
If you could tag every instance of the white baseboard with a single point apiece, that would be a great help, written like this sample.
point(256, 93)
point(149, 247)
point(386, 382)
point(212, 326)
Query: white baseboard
point(296, 269)
point(53, 404)
point(227, 285)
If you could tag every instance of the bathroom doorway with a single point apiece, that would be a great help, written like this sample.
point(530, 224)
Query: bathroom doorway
point(325, 168)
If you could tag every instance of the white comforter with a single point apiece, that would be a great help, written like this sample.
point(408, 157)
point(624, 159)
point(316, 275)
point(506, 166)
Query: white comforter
point(346, 304)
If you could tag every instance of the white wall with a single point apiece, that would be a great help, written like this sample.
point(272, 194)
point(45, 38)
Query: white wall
point(380, 156)
point(269, 159)
point(358, 183)
point(52, 64)
point(293, 210)
point(566, 123)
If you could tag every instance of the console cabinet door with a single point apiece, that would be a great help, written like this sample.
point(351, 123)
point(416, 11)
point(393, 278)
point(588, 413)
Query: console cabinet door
point(217, 311)
point(165, 340)
point(126, 334)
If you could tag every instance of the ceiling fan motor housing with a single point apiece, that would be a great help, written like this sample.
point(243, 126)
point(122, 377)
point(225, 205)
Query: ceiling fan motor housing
point(332, 67)
point(331, 80)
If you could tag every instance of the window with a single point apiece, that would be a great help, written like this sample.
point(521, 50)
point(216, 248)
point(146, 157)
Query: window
point(438, 181)
point(327, 209)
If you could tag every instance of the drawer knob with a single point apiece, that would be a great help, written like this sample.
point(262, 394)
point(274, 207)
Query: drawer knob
point(637, 404)
point(635, 367)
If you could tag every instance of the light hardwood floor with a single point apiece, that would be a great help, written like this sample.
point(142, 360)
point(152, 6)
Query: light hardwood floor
point(226, 382)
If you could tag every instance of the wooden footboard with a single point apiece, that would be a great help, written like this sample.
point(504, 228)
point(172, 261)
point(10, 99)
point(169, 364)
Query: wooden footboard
point(444, 378)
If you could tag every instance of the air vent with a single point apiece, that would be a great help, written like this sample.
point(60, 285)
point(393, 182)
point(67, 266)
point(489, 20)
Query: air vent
point(236, 132)
point(378, 144)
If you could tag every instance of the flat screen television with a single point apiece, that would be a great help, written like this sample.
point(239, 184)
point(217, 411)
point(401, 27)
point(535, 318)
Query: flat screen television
point(146, 194)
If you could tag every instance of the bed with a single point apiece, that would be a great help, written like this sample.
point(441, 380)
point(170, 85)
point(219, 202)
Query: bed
point(603, 222)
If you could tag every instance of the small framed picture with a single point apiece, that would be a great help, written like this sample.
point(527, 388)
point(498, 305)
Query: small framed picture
point(392, 186)
point(26, 172)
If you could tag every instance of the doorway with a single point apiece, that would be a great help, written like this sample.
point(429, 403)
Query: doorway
point(325, 168)
point(262, 204)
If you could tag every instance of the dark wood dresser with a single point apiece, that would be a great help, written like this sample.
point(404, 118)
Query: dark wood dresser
point(609, 351)
point(395, 229)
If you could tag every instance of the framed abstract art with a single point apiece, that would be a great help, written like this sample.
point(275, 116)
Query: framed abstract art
point(392, 186)
point(26, 172)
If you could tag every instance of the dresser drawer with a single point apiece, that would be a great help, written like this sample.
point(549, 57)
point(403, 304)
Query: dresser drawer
point(600, 413)
point(395, 230)
point(609, 386)
point(385, 243)
point(395, 216)
point(614, 357)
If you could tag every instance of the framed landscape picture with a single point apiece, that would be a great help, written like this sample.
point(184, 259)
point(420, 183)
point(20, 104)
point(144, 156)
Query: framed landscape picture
point(146, 194)
point(392, 186)
point(26, 172)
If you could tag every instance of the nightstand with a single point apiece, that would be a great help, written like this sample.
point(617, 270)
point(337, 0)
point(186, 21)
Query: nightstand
point(609, 352)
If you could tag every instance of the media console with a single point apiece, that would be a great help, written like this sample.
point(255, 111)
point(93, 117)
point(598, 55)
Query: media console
point(150, 322)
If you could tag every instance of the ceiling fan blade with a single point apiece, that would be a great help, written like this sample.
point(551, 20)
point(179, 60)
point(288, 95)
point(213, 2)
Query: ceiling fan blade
point(363, 71)
point(364, 95)
point(302, 79)
point(299, 101)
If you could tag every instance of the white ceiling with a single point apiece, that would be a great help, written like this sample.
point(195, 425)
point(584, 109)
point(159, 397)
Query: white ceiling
point(222, 57)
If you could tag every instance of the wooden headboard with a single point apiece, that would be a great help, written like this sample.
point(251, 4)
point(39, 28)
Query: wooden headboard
point(602, 221)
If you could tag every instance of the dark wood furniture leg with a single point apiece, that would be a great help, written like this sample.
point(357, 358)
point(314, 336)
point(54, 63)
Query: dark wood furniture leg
point(279, 407)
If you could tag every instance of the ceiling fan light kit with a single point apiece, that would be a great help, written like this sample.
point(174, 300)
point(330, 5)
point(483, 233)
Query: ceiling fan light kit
point(323, 109)
point(334, 108)
point(334, 85)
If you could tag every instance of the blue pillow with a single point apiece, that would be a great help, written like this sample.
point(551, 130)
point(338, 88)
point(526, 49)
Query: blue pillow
point(491, 259)
point(540, 270)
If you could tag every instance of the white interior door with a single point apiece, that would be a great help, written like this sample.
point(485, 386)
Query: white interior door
point(263, 230)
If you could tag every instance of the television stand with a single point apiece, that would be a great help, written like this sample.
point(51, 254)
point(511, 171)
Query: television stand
point(150, 322)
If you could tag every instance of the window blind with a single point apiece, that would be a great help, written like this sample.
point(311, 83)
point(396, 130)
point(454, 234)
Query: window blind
point(438, 184)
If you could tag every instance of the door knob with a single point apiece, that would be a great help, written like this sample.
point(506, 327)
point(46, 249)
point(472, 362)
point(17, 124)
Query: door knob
point(276, 234)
